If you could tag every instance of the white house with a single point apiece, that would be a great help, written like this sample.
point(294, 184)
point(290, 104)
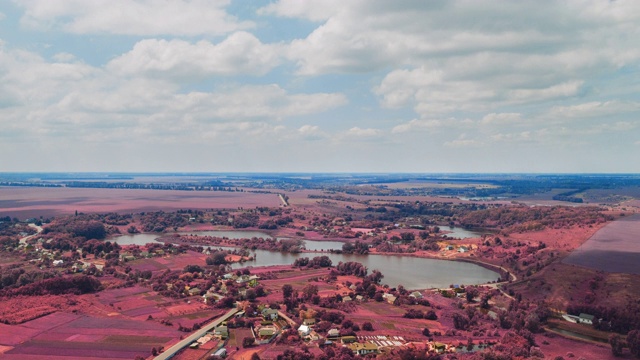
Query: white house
point(304, 330)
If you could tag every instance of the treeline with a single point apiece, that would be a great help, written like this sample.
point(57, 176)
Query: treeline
point(77, 285)
point(616, 319)
point(524, 218)
point(89, 226)
point(160, 221)
point(316, 262)
point(568, 196)
point(11, 278)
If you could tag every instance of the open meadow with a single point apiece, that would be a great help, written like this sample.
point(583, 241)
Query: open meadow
point(25, 202)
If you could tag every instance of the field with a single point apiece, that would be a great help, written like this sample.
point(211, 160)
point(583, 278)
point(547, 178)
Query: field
point(63, 336)
point(34, 202)
point(614, 248)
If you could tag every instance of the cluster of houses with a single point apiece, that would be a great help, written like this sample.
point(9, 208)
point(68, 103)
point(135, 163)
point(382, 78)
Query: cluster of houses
point(210, 297)
point(461, 249)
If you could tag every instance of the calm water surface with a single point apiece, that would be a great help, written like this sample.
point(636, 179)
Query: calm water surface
point(411, 272)
point(460, 233)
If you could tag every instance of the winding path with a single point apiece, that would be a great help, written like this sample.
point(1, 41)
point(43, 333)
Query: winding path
point(24, 239)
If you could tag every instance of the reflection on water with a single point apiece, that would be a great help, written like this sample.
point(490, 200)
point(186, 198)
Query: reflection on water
point(460, 233)
point(135, 239)
point(319, 245)
point(231, 234)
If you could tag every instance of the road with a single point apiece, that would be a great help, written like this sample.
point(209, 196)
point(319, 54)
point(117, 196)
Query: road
point(167, 354)
point(38, 228)
point(284, 201)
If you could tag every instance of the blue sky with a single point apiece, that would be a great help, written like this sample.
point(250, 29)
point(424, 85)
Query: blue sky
point(320, 86)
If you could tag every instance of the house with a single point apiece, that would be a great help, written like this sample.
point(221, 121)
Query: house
point(363, 349)
point(463, 249)
point(438, 347)
point(270, 314)
point(210, 298)
point(266, 332)
point(304, 330)
point(309, 322)
point(348, 339)
point(359, 297)
point(193, 291)
point(222, 332)
point(58, 262)
point(585, 318)
point(389, 298)
point(416, 295)
point(127, 256)
point(333, 333)
point(449, 247)
point(222, 352)
point(347, 299)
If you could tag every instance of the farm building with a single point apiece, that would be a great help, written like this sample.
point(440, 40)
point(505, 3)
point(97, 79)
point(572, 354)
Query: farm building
point(363, 349)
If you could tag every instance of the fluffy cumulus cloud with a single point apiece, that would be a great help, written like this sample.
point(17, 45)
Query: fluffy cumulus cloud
point(501, 118)
point(55, 99)
point(383, 78)
point(240, 53)
point(454, 56)
point(132, 17)
point(362, 133)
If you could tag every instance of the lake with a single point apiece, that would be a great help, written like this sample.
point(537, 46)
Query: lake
point(411, 272)
point(460, 233)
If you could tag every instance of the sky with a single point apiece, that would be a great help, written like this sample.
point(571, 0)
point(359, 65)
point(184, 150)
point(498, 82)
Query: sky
point(320, 86)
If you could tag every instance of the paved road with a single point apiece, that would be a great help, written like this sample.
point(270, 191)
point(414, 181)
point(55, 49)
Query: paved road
point(167, 354)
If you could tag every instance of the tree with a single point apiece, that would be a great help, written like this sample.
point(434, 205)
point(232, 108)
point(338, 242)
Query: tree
point(287, 291)
point(471, 292)
point(255, 356)
point(633, 342)
point(309, 291)
point(367, 326)
point(217, 258)
point(248, 341)
point(616, 344)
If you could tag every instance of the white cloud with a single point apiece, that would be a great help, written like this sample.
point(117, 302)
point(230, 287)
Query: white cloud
point(311, 10)
point(566, 89)
point(594, 109)
point(2, 16)
point(311, 132)
point(240, 53)
point(416, 124)
point(64, 57)
point(39, 99)
point(363, 133)
point(132, 17)
point(462, 142)
point(501, 118)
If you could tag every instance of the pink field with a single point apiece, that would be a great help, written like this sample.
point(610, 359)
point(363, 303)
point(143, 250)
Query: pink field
point(614, 248)
point(66, 336)
point(24, 202)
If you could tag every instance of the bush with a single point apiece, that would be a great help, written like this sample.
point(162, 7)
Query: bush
point(248, 342)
